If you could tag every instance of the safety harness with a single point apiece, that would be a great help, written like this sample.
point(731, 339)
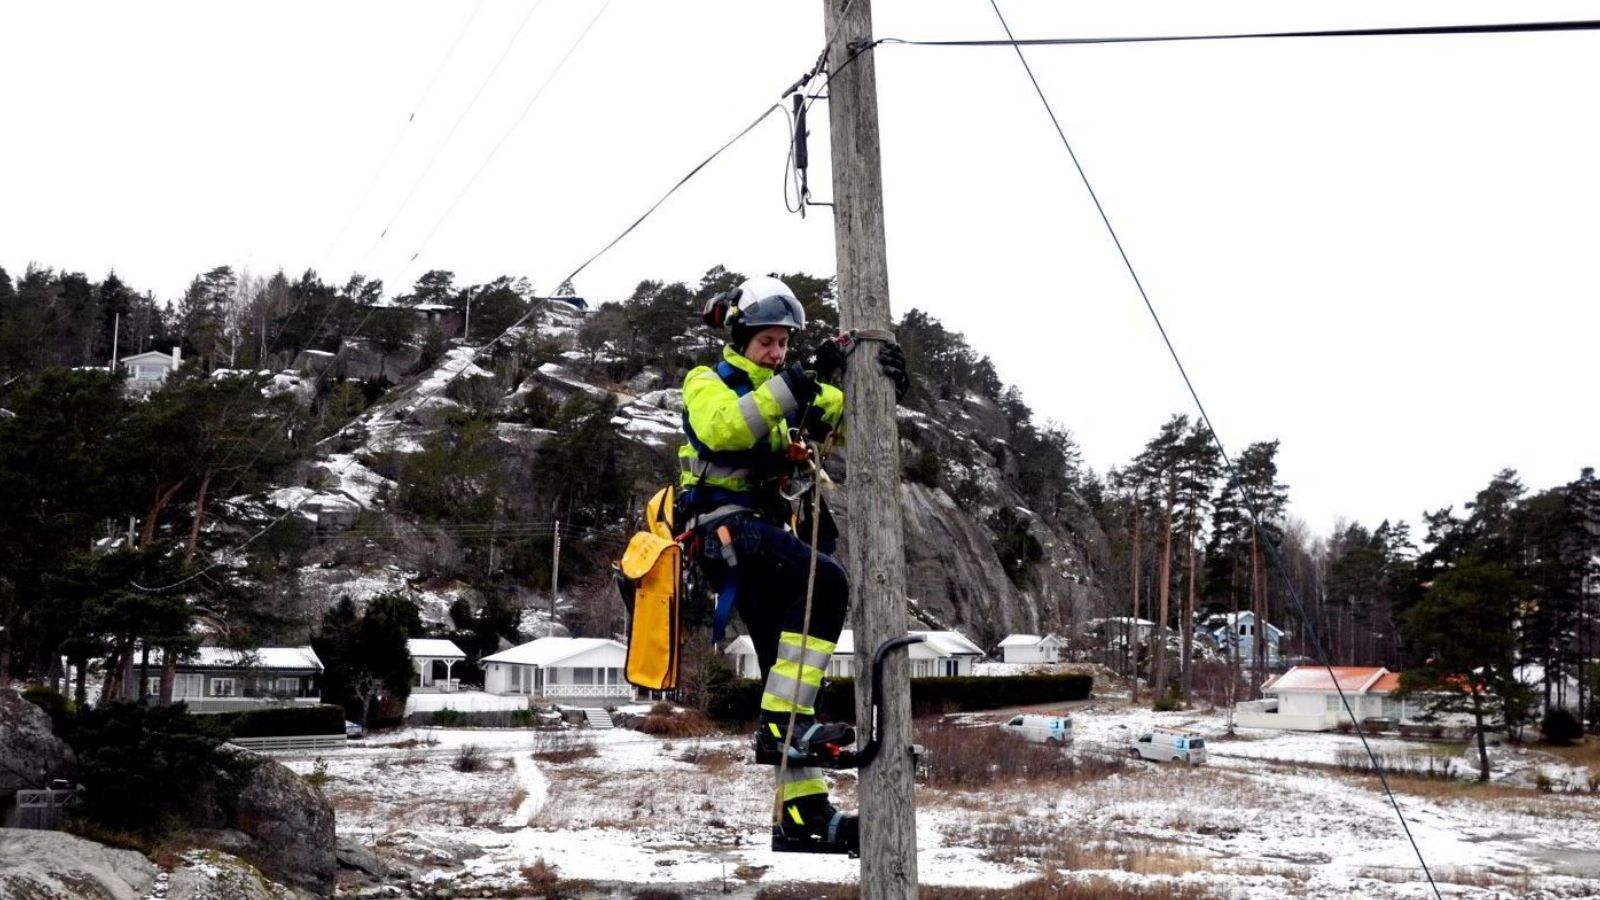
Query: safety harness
point(707, 505)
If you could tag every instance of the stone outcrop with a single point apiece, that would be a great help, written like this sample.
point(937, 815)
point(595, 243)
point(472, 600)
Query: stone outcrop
point(52, 865)
point(30, 753)
point(289, 827)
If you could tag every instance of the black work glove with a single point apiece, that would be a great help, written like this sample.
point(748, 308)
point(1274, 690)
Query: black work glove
point(892, 360)
point(826, 363)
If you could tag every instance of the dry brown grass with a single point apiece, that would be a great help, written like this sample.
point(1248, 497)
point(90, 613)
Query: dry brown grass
point(517, 796)
point(563, 746)
point(968, 758)
point(1051, 886)
point(1583, 753)
point(412, 758)
point(712, 759)
point(1467, 876)
point(666, 720)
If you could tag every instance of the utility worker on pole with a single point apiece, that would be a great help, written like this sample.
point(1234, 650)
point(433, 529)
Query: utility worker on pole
point(746, 420)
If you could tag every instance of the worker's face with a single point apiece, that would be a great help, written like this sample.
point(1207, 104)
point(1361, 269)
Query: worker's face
point(769, 348)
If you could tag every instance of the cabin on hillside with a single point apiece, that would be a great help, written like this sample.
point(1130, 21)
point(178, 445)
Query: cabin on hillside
point(218, 679)
point(576, 671)
point(1031, 648)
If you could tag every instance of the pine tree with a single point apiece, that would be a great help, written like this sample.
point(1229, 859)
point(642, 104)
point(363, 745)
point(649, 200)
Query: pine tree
point(1464, 626)
point(1159, 467)
point(1200, 464)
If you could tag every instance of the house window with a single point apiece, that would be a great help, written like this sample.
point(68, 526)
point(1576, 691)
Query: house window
point(952, 668)
point(516, 678)
point(222, 687)
point(1244, 630)
point(1334, 703)
point(152, 686)
point(288, 686)
point(583, 675)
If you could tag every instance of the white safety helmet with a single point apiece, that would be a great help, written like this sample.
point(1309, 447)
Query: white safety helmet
point(760, 302)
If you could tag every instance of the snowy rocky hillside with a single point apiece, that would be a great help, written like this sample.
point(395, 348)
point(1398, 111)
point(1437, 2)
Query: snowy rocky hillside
point(961, 509)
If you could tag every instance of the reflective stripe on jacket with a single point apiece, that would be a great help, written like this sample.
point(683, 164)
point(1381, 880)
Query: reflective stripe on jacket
point(737, 415)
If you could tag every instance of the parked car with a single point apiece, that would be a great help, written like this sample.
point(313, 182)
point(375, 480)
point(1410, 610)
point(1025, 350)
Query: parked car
point(353, 730)
point(1165, 744)
point(1053, 730)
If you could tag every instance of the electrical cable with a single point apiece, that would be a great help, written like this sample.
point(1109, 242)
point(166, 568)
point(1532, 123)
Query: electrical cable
point(508, 132)
point(1244, 491)
point(400, 135)
point(468, 359)
point(450, 135)
point(1399, 31)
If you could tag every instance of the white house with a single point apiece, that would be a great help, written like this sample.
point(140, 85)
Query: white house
point(217, 679)
point(434, 660)
point(558, 669)
point(1031, 648)
point(1238, 630)
point(1305, 699)
point(942, 654)
point(1563, 691)
point(148, 371)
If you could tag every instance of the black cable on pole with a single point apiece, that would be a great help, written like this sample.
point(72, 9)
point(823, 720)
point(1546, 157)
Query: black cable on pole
point(1233, 473)
point(1399, 31)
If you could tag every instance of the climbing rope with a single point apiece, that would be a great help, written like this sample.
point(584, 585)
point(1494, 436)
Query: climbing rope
point(805, 628)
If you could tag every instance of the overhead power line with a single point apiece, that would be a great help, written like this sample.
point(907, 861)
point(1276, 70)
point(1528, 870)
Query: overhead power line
point(1392, 31)
point(450, 135)
point(476, 351)
point(400, 136)
point(1233, 473)
point(505, 135)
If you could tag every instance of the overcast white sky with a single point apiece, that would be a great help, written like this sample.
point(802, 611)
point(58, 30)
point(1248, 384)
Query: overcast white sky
point(1379, 250)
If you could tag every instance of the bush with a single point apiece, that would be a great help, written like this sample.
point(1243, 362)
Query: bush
point(51, 701)
point(154, 769)
point(470, 758)
point(740, 700)
point(447, 718)
point(677, 722)
point(1560, 727)
point(284, 721)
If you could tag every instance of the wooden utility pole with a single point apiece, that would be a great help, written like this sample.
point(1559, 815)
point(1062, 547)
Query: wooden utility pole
point(874, 529)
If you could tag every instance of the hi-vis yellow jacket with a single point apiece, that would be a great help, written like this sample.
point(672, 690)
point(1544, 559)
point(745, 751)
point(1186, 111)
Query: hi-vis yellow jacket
point(737, 416)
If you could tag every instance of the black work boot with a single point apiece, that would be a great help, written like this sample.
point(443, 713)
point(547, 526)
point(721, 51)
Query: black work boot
point(821, 744)
point(812, 825)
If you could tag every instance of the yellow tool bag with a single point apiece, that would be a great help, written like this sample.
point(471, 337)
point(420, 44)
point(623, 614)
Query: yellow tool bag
point(651, 579)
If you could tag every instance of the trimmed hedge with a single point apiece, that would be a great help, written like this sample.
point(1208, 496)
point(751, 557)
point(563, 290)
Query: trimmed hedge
point(284, 721)
point(740, 700)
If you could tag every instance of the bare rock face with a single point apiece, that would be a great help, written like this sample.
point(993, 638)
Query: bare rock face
point(213, 875)
point(30, 753)
point(290, 827)
point(53, 865)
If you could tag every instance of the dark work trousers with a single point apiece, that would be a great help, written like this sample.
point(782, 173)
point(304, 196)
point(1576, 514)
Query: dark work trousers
point(772, 569)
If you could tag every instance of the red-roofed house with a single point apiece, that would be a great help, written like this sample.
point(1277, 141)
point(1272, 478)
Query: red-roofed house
point(1306, 698)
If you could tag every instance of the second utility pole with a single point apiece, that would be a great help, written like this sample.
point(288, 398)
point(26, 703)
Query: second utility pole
point(873, 528)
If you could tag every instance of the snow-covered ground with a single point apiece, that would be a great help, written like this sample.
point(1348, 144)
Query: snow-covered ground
point(1270, 817)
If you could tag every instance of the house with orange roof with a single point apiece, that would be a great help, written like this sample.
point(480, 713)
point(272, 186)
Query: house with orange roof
point(1307, 698)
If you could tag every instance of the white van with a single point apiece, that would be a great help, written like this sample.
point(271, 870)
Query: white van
point(1053, 730)
point(1165, 744)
